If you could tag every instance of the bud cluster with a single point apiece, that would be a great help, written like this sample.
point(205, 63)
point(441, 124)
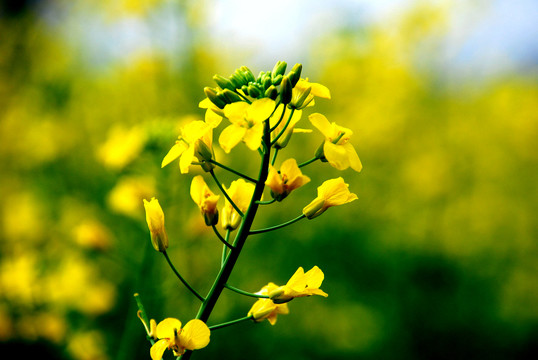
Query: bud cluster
point(242, 84)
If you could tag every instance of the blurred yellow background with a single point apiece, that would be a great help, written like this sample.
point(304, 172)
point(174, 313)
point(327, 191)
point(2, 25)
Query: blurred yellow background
point(438, 259)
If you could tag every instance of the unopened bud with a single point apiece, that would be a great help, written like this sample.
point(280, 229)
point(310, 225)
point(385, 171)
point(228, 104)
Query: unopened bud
point(155, 220)
point(231, 96)
point(254, 91)
point(277, 80)
point(266, 82)
point(247, 73)
point(285, 90)
point(212, 96)
point(279, 68)
point(204, 154)
point(296, 70)
point(271, 92)
point(223, 82)
point(315, 208)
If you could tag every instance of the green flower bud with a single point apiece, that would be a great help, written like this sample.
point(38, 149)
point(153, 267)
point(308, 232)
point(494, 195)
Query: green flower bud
point(295, 74)
point(247, 73)
point(266, 82)
point(223, 82)
point(271, 92)
point(213, 97)
point(285, 90)
point(235, 82)
point(204, 154)
point(231, 96)
point(277, 80)
point(254, 91)
point(240, 77)
point(279, 68)
point(260, 76)
point(221, 96)
point(245, 89)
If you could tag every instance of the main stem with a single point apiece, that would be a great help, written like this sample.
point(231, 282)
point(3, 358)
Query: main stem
point(242, 233)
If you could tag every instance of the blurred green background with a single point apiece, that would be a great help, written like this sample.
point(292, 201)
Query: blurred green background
point(438, 259)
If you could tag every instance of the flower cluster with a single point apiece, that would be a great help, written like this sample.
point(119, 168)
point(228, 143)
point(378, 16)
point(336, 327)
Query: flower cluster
point(260, 112)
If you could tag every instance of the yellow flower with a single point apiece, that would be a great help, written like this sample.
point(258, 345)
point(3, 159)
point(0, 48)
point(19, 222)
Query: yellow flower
point(303, 93)
point(195, 335)
point(331, 193)
point(241, 193)
point(289, 179)
point(266, 308)
point(299, 285)
point(196, 139)
point(205, 199)
point(155, 220)
point(213, 114)
point(336, 149)
point(246, 123)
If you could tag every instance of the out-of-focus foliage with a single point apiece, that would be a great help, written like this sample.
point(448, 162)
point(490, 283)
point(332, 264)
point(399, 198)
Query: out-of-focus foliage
point(437, 258)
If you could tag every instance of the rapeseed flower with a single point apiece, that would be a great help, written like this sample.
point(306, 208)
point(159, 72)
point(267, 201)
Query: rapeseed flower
point(303, 93)
point(246, 123)
point(332, 192)
point(195, 335)
point(205, 199)
point(241, 193)
point(299, 285)
point(196, 139)
point(336, 149)
point(288, 179)
point(266, 308)
point(155, 220)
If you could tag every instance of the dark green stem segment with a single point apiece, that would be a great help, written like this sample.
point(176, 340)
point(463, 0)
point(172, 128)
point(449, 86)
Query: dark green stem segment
point(200, 297)
point(246, 293)
point(246, 177)
point(268, 202)
point(284, 128)
point(233, 322)
point(242, 233)
point(271, 228)
point(226, 194)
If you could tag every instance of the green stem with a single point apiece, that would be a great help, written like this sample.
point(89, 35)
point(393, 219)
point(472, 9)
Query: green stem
point(284, 128)
point(274, 157)
point(182, 279)
point(243, 96)
point(279, 120)
point(226, 194)
point(225, 248)
point(268, 202)
point(308, 161)
point(302, 216)
point(232, 170)
point(246, 293)
point(233, 322)
point(223, 240)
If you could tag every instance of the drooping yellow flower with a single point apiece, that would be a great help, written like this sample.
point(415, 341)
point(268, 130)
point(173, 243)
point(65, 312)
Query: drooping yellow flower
point(289, 179)
point(195, 335)
point(246, 123)
point(205, 199)
point(299, 285)
point(337, 149)
point(332, 192)
point(196, 139)
point(266, 308)
point(303, 93)
point(155, 220)
point(241, 193)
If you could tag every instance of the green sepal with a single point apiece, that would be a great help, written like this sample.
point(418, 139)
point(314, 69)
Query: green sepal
point(212, 95)
point(254, 91)
point(223, 82)
point(279, 68)
point(231, 96)
point(277, 80)
point(271, 92)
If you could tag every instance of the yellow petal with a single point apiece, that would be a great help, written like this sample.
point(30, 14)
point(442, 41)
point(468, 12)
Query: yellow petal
point(274, 181)
point(335, 192)
point(260, 110)
point(194, 131)
point(174, 153)
point(198, 186)
point(231, 136)
point(321, 123)
point(236, 112)
point(195, 335)
point(157, 350)
point(314, 277)
point(186, 159)
point(165, 329)
point(212, 119)
point(253, 137)
point(320, 91)
point(297, 281)
point(336, 155)
point(354, 160)
point(205, 104)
